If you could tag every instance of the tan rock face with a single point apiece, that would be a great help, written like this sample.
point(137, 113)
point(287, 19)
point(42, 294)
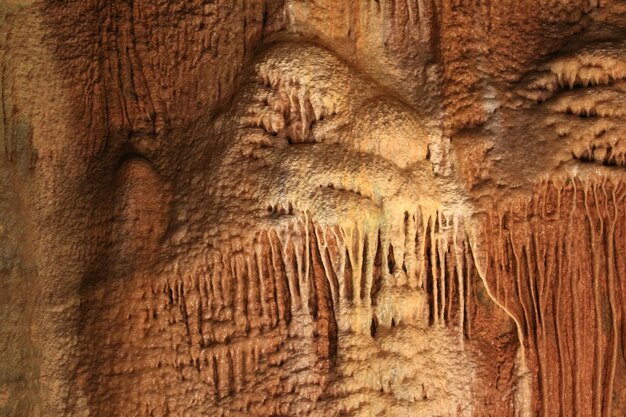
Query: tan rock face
point(378, 208)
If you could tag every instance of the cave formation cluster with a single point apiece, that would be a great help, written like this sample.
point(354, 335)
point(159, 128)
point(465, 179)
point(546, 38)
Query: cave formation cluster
point(313, 208)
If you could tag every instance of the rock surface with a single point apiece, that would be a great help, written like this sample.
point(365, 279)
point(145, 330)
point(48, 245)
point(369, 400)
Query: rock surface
point(313, 208)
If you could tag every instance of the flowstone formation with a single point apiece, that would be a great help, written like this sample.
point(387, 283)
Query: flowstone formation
point(320, 258)
point(377, 208)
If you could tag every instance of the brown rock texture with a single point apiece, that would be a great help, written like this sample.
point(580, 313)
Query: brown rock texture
point(312, 208)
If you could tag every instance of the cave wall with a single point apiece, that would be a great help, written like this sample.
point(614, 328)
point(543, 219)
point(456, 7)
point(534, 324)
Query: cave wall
point(274, 208)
